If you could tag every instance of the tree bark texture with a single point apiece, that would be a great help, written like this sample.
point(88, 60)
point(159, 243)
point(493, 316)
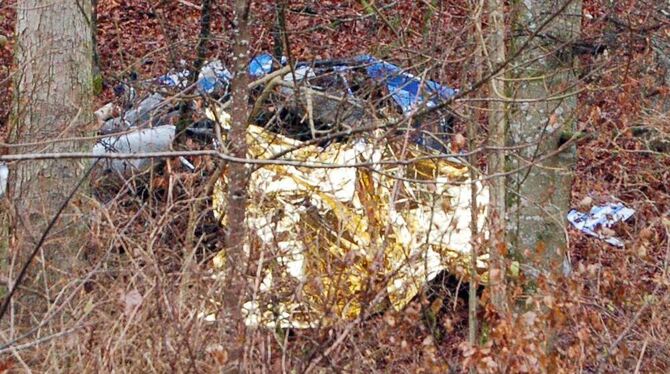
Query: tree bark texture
point(238, 176)
point(543, 109)
point(497, 128)
point(52, 101)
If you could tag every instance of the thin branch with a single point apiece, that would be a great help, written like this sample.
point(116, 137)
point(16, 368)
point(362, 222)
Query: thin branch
point(42, 340)
point(45, 234)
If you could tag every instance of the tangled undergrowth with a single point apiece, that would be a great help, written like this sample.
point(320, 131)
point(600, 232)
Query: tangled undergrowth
point(137, 302)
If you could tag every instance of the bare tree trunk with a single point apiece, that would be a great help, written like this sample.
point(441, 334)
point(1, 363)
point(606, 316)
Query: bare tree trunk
point(94, 41)
point(185, 112)
point(476, 9)
point(542, 114)
point(497, 128)
point(203, 38)
point(52, 101)
point(474, 214)
point(238, 175)
point(278, 30)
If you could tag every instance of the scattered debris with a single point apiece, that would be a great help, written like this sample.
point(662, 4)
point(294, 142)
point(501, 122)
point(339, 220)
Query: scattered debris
point(330, 231)
point(331, 95)
point(213, 75)
point(146, 112)
point(260, 65)
point(599, 220)
point(179, 79)
point(405, 88)
point(4, 174)
point(155, 139)
point(106, 112)
point(335, 95)
point(214, 78)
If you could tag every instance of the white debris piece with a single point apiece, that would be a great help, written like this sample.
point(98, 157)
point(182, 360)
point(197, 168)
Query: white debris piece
point(156, 139)
point(4, 174)
point(135, 117)
point(105, 113)
point(178, 79)
point(600, 216)
point(300, 73)
point(143, 112)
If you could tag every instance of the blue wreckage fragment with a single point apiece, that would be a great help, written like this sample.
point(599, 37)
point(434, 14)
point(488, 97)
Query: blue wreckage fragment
point(409, 92)
point(600, 216)
point(214, 74)
point(405, 88)
point(260, 65)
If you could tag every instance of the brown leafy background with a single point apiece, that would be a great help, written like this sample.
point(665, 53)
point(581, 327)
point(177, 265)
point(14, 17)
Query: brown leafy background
point(612, 291)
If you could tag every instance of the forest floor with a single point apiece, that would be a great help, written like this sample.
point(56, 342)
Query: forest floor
point(611, 314)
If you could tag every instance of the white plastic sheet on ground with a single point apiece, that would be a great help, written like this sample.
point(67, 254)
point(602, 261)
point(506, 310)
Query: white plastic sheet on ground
point(330, 239)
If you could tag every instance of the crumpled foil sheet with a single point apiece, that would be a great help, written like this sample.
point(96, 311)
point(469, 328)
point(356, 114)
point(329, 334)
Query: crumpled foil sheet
point(329, 239)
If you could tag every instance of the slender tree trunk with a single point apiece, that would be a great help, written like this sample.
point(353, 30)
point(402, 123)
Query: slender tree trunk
point(52, 101)
point(474, 218)
point(661, 47)
point(497, 128)
point(278, 30)
point(94, 38)
point(203, 39)
point(238, 175)
point(542, 114)
point(476, 9)
point(186, 110)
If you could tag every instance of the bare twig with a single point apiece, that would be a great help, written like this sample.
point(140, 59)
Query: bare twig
point(45, 234)
point(190, 4)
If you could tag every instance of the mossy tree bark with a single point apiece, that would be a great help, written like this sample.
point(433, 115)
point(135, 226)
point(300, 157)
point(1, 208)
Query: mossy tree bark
point(542, 109)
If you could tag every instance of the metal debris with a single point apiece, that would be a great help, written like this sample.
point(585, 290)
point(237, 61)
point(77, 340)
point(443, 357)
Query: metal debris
point(601, 216)
point(260, 65)
point(4, 175)
point(407, 90)
point(154, 139)
point(145, 112)
point(327, 235)
point(214, 77)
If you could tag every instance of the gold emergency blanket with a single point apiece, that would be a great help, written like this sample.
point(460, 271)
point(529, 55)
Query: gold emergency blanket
point(336, 241)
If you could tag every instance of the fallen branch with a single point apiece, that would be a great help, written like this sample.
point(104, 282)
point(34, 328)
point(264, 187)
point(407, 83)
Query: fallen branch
point(189, 4)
